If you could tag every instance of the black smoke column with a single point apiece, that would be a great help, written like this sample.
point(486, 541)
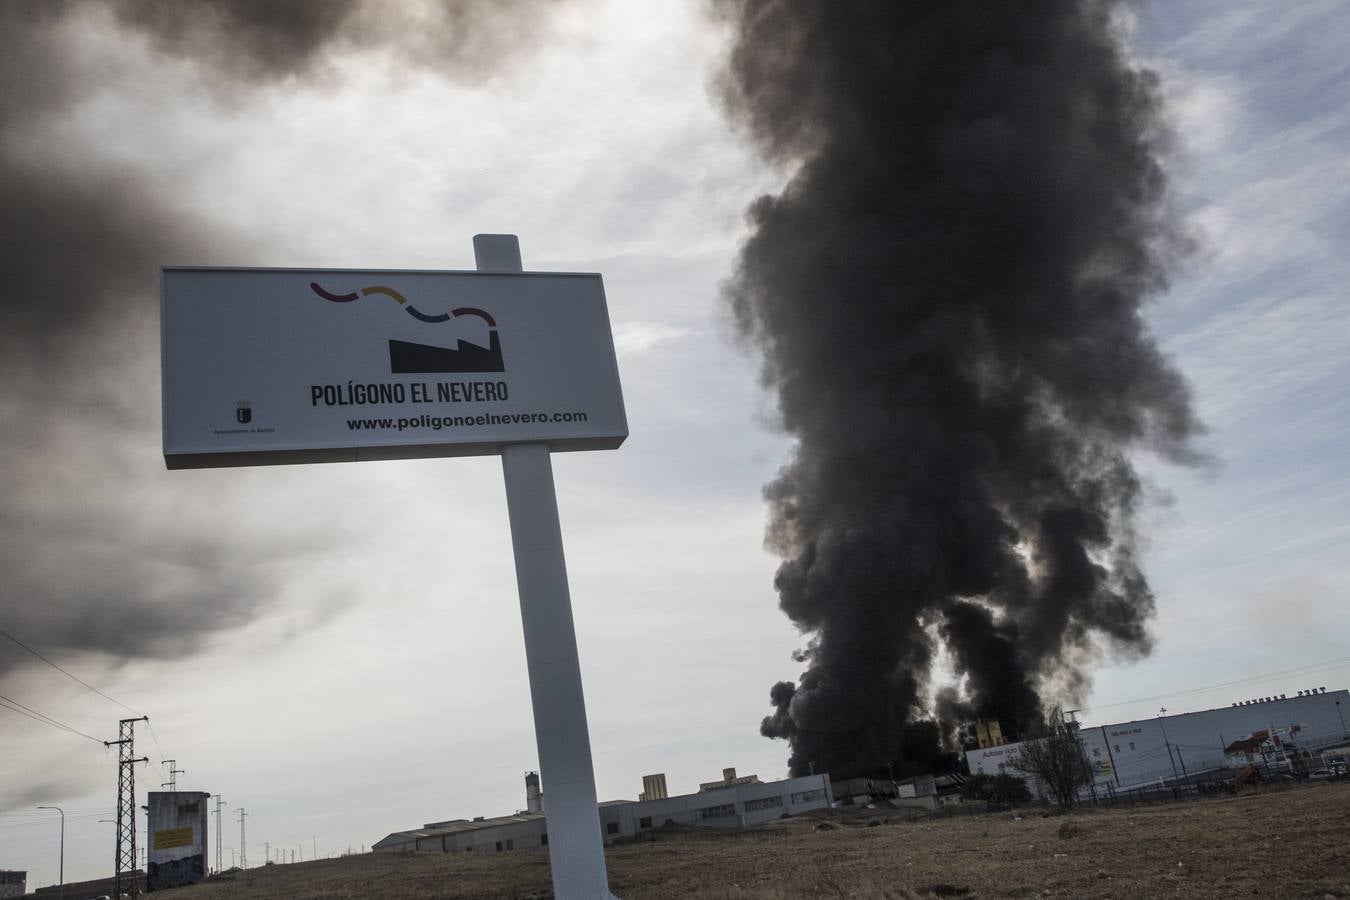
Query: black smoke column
point(947, 296)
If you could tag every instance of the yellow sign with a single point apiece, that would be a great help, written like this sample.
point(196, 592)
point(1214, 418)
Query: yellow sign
point(173, 837)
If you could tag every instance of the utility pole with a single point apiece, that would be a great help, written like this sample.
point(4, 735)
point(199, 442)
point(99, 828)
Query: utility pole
point(62, 857)
point(243, 847)
point(1073, 728)
point(174, 772)
point(1161, 714)
point(124, 858)
point(267, 852)
point(219, 858)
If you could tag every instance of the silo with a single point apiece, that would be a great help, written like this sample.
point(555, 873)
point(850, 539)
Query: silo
point(534, 797)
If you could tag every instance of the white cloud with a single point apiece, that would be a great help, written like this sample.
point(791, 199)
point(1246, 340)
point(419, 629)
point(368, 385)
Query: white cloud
point(631, 338)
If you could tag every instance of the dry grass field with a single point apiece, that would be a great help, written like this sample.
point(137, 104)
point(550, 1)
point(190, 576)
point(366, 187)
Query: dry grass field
point(1292, 843)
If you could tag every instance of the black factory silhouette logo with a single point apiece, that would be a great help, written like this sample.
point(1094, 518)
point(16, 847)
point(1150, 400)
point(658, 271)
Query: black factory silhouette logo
point(409, 357)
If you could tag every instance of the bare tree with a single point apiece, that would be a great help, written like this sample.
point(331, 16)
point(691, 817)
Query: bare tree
point(1054, 756)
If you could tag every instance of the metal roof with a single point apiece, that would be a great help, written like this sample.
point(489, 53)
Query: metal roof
point(456, 827)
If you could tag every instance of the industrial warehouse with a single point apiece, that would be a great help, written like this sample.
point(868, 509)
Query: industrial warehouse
point(1278, 734)
point(731, 801)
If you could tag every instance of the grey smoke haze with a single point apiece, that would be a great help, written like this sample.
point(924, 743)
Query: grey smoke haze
point(253, 41)
point(98, 555)
point(947, 298)
point(29, 794)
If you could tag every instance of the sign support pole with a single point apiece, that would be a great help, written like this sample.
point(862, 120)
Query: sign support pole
point(575, 845)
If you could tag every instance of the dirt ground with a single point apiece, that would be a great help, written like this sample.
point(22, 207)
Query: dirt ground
point(1292, 843)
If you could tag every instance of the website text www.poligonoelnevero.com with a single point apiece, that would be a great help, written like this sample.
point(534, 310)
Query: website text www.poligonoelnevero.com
point(436, 423)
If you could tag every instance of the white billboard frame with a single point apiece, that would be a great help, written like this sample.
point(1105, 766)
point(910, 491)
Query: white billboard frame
point(414, 407)
point(562, 736)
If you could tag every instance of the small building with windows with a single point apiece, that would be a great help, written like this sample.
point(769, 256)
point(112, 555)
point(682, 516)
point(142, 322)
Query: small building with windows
point(731, 803)
point(479, 835)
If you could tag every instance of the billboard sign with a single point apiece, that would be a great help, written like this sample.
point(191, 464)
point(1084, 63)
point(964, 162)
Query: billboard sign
point(266, 366)
point(176, 826)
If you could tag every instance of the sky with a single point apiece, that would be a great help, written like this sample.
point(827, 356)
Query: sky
point(337, 648)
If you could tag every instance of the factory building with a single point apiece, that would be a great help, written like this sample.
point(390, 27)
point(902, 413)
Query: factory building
point(481, 835)
point(729, 802)
point(732, 801)
point(1281, 733)
point(13, 883)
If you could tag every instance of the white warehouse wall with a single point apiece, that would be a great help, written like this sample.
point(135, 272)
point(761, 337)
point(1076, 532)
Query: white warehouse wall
point(1136, 753)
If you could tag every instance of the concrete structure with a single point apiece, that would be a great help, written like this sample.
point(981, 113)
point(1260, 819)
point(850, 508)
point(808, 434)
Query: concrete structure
point(654, 787)
point(13, 883)
point(737, 805)
point(728, 779)
point(534, 796)
point(1165, 749)
point(989, 733)
point(176, 838)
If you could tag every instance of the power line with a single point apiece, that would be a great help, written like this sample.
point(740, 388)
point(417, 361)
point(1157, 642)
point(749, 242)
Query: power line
point(1310, 669)
point(158, 771)
point(154, 737)
point(162, 755)
point(16, 706)
point(67, 674)
point(44, 820)
point(25, 710)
